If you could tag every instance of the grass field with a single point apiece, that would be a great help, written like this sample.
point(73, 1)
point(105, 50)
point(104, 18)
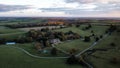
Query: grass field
point(9, 33)
point(14, 58)
point(6, 30)
point(98, 30)
point(12, 35)
point(105, 57)
point(79, 44)
point(31, 49)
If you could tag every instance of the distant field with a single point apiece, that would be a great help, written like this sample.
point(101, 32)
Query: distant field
point(38, 28)
point(10, 21)
point(6, 30)
point(12, 35)
point(9, 33)
point(98, 30)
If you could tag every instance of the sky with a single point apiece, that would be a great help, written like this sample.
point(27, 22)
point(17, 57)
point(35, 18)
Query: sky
point(59, 8)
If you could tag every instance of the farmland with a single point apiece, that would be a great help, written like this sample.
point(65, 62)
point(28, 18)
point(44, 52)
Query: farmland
point(19, 54)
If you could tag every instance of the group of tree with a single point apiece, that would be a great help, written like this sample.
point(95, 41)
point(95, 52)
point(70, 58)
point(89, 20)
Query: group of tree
point(73, 60)
point(45, 35)
point(19, 25)
point(96, 38)
point(87, 27)
point(111, 29)
point(18, 39)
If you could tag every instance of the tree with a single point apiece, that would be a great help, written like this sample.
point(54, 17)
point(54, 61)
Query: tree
point(2, 41)
point(87, 39)
point(112, 44)
point(93, 34)
point(72, 60)
point(89, 25)
point(73, 50)
point(54, 51)
point(97, 39)
point(77, 25)
point(92, 31)
point(101, 36)
point(47, 43)
point(29, 39)
point(115, 60)
point(21, 39)
point(38, 46)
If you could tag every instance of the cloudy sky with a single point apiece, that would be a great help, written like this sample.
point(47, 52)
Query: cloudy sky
point(60, 8)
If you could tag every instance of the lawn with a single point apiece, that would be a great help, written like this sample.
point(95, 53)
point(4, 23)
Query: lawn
point(6, 30)
point(12, 35)
point(14, 58)
point(104, 57)
point(80, 44)
point(74, 29)
point(31, 49)
point(9, 33)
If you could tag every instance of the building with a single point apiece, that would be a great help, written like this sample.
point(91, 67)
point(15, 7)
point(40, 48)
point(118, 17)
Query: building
point(55, 41)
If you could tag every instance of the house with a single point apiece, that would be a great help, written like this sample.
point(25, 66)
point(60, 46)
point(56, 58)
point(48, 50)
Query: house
point(55, 41)
point(10, 43)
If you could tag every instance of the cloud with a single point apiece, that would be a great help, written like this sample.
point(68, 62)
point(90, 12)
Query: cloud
point(6, 8)
point(79, 1)
point(111, 6)
point(87, 7)
point(75, 11)
point(91, 1)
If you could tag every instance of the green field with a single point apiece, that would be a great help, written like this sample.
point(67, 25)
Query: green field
point(79, 44)
point(9, 33)
point(6, 30)
point(105, 57)
point(31, 49)
point(15, 58)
